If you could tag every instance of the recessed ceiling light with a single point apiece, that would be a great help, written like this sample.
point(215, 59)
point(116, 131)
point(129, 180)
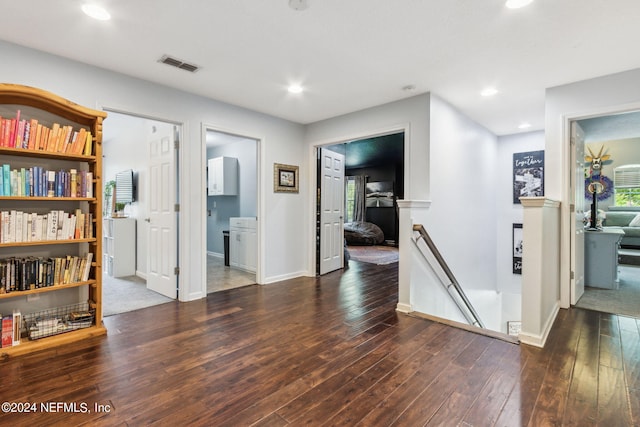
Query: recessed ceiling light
point(298, 4)
point(96, 12)
point(295, 89)
point(517, 4)
point(489, 91)
point(524, 125)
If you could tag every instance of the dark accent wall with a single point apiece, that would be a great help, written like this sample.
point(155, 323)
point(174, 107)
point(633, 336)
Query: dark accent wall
point(387, 217)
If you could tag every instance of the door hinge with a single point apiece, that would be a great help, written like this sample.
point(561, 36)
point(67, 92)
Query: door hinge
point(572, 208)
point(176, 144)
point(176, 207)
point(573, 275)
point(176, 270)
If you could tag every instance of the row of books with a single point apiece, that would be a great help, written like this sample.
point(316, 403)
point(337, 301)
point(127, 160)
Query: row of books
point(39, 182)
point(10, 329)
point(25, 274)
point(28, 134)
point(17, 226)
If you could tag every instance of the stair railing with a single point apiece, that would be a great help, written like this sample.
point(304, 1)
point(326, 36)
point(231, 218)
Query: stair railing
point(453, 287)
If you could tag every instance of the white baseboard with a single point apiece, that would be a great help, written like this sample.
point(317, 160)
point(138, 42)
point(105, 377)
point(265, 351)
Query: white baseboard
point(540, 340)
point(274, 279)
point(404, 308)
point(215, 254)
point(141, 275)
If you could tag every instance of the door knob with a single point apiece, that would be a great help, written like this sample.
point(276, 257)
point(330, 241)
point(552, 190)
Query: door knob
point(148, 219)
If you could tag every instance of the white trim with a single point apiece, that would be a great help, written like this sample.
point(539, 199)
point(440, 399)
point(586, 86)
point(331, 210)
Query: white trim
point(260, 231)
point(215, 254)
point(568, 170)
point(404, 308)
point(414, 204)
point(141, 275)
point(540, 340)
point(282, 277)
point(184, 289)
point(539, 202)
point(313, 171)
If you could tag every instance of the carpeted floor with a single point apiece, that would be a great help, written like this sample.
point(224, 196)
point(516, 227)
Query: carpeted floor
point(625, 300)
point(123, 294)
point(374, 254)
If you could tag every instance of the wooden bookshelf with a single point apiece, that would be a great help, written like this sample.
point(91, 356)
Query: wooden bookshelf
point(51, 111)
point(46, 289)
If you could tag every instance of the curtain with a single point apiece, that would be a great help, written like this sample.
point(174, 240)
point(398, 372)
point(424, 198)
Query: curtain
point(359, 207)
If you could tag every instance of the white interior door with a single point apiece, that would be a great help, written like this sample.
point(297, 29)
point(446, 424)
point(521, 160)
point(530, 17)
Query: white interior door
point(162, 249)
point(331, 211)
point(577, 226)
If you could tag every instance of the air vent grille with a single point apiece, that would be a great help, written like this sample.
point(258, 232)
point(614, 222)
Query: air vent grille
point(169, 60)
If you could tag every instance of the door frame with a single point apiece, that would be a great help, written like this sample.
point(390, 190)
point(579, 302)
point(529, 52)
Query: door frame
point(183, 280)
point(313, 176)
point(567, 241)
point(260, 230)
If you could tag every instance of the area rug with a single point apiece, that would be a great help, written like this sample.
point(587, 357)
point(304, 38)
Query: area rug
point(123, 294)
point(625, 300)
point(374, 254)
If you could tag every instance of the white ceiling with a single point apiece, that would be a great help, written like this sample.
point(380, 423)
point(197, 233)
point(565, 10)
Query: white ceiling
point(349, 54)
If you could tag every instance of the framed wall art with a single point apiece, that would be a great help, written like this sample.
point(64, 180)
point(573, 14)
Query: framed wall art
point(517, 248)
point(528, 175)
point(285, 178)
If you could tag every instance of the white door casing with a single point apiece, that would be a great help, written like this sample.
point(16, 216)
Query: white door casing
point(331, 211)
point(162, 249)
point(578, 202)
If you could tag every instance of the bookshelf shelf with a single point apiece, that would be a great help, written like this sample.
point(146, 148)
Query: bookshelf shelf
point(27, 347)
point(47, 289)
point(22, 152)
point(49, 199)
point(49, 133)
point(47, 242)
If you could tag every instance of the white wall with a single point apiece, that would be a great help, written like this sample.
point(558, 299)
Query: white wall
point(462, 216)
point(588, 98)
point(509, 213)
point(285, 226)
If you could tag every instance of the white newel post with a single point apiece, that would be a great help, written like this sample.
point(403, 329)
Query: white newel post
point(540, 268)
point(409, 212)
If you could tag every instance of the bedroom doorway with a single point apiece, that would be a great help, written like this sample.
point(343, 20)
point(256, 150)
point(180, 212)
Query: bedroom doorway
point(374, 181)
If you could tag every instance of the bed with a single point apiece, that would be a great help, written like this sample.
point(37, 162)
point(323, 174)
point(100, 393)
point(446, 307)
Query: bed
point(363, 233)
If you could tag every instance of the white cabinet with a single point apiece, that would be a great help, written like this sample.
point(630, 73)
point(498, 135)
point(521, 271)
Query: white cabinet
point(222, 176)
point(120, 246)
point(601, 258)
point(242, 243)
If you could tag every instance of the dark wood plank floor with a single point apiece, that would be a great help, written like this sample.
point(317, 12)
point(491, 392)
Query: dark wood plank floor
point(329, 351)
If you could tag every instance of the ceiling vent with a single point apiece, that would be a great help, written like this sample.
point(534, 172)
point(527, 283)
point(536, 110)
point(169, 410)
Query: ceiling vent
point(166, 59)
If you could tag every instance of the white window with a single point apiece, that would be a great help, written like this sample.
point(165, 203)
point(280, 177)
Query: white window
point(626, 182)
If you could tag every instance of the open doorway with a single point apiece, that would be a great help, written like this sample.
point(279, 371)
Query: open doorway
point(611, 168)
point(127, 252)
point(373, 182)
point(232, 205)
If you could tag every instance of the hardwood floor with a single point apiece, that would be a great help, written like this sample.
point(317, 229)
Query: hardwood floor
point(330, 351)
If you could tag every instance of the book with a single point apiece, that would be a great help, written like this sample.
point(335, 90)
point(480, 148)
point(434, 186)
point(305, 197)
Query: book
point(88, 148)
point(7, 331)
point(51, 183)
point(6, 172)
point(17, 326)
point(74, 182)
point(87, 267)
